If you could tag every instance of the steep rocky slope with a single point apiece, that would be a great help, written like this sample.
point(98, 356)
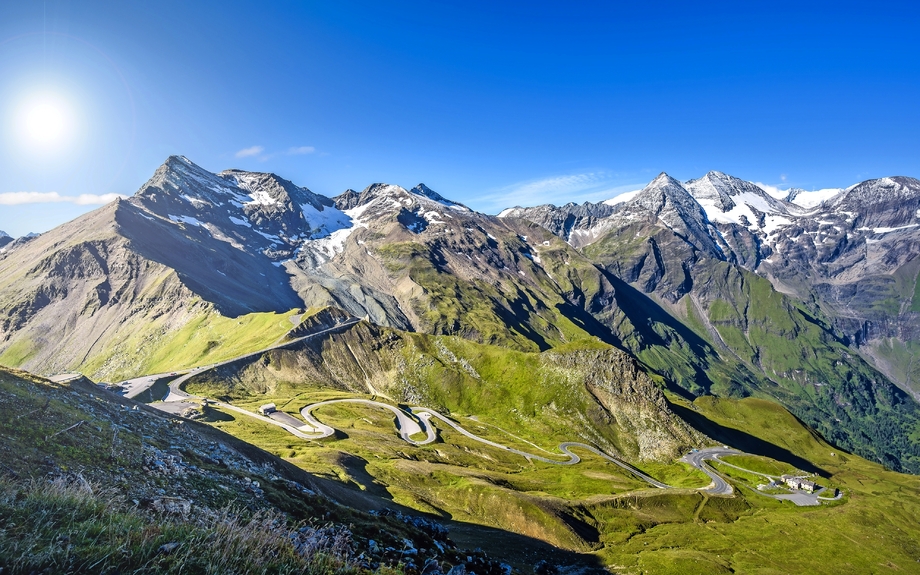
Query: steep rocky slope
point(191, 245)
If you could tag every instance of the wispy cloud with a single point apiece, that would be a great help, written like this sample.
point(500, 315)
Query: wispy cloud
point(260, 154)
point(774, 191)
point(20, 198)
point(561, 189)
point(249, 152)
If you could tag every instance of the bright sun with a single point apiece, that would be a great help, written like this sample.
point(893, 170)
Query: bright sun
point(45, 122)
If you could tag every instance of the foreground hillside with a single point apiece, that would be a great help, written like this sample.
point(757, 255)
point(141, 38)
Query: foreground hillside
point(93, 483)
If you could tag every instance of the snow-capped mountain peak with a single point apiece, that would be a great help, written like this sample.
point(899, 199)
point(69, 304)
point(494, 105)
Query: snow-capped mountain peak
point(659, 195)
point(4, 234)
point(251, 211)
point(730, 200)
point(425, 192)
point(880, 191)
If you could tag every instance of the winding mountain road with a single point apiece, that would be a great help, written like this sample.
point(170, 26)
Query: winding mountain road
point(405, 423)
point(414, 422)
point(408, 426)
point(698, 459)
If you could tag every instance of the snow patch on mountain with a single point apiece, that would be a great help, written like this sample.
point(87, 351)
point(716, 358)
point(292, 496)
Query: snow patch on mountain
point(334, 243)
point(260, 198)
point(889, 230)
point(433, 217)
point(187, 220)
point(326, 221)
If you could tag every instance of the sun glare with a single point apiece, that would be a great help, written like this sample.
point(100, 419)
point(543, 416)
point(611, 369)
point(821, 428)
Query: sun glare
point(45, 122)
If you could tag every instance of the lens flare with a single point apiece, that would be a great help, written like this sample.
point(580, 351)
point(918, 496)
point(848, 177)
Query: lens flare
point(45, 122)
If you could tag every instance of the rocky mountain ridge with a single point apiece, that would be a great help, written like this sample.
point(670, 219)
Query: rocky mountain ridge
point(853, 241)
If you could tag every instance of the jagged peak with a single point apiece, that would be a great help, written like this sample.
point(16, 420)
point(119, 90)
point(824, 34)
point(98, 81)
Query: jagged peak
point(661, 180)
point(4, 234)
point(379, 189)
point(655, 198)
point(716, 188)
point(183, 164)
point(272, 188)
point(721, 182)
point(662, 185)
point(174, 174)
point(380, 193)
point(428, 193)
point(347, 199)
point(425, 191)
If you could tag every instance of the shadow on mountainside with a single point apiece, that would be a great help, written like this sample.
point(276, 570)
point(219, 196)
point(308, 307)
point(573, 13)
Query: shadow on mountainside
point(237, 282)
point(516, 317)
point(644, 314)
point(590, 324)
point(744, 441)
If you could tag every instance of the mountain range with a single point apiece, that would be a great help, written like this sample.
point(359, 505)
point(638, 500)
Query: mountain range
point(714, 286)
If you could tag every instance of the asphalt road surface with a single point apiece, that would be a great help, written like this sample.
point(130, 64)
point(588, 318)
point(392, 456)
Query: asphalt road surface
point(406, 424)
point(698, 459)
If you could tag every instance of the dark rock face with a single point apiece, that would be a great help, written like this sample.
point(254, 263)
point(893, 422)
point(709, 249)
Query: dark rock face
point(858, 252)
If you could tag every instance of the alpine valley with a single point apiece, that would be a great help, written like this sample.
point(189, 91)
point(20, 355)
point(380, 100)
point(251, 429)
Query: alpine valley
point(619, 387)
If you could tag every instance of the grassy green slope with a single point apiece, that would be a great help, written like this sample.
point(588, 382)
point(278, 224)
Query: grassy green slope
point(534, 395)
point(82, 473)
point(487, 301)
point(815, 375)
point(205, 338)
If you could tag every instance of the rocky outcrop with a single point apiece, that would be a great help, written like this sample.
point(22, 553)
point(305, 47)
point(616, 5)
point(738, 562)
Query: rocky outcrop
point(646, 427)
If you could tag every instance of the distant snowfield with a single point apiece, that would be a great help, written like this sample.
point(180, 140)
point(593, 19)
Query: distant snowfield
point(744, 203)
point(325, 222)
point(810, 200)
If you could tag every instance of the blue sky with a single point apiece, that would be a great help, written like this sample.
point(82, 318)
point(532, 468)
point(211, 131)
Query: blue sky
point(491, 104)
